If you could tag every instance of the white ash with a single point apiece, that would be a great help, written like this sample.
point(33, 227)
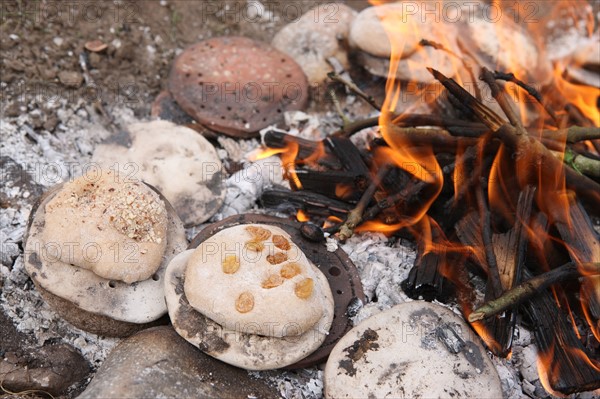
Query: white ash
point(382, 267)
point(295, 384)
point(245, 186)
point(235, 150)
point(304, 125)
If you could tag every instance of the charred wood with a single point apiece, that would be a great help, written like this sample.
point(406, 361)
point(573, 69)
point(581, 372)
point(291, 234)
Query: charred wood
point(569, 369)
point(312, 203)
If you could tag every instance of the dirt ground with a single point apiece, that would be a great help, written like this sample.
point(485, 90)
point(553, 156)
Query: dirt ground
point(41, 43)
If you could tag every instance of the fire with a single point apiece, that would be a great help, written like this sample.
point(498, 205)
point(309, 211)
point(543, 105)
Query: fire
point(301, 216)
point(505, 171)
point(585, 98)
point(549, 369)
point(332, 221)
point(265, 153)
point(374, 225)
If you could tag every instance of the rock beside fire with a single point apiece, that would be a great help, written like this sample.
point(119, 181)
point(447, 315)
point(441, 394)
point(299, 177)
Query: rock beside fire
point(320, 33)
point(370, 36)
point(176, 160)
point(416, 349)
point(158, 363)
point(164, 107)
point(53, 370)
point(236, 85)
point(505, 46)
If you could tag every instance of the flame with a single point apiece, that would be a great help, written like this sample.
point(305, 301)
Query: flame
point(265, 153)
point(585, 98)
point(343, 191)
point(374, 225)
point(332, 221)
point(301, 216)
point(549, 369)
point(546, 368)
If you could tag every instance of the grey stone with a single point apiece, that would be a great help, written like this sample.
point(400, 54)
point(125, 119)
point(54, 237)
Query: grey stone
point(53, 370)
point(319, 34)
point(158, 363)
point(415, 349)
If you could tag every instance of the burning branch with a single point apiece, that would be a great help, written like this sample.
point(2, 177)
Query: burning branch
point(529, 288)
point(521, 144)
point(355, 217)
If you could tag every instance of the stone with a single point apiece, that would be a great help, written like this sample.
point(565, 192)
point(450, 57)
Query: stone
point(320, 33)
point(178, 161)
point(237, 86)
point(158, 363)
point(53, 370)
point(489, 43)
point(368, 33)
point(414, 69)
point(70, 78)
point(381, 32)
point(415, 349)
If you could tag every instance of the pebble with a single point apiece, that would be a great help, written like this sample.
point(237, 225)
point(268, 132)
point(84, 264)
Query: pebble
point(368, 34)
point(320, 33)
point(415, 349)
point(176, 160)
point(237, 86)
point(70, 78)
point(158, 363)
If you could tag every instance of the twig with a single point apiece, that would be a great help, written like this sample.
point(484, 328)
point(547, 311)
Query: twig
point(338, 107)
point(355, 217)
point(531, 287)
point(510, 77)
point(401, 197)
point(355, 89)
point(467, 65)
point(582, 164)
point(523, 144)
point(456, 126)
point(573, 134)
point(500, 96)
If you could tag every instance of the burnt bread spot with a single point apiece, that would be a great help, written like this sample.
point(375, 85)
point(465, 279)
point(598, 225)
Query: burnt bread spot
point(356, 351)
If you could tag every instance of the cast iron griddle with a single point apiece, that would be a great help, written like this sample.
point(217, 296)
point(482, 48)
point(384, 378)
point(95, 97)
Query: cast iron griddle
point(336, 266)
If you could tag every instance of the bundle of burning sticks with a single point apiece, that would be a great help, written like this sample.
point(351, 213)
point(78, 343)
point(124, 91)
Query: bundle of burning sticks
point(485, 198)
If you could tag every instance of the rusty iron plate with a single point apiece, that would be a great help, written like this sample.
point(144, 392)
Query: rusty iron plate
point(236, 85)
point(336, 266)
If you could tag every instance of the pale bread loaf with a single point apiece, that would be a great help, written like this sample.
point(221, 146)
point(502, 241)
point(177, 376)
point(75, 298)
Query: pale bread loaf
point(253, 278)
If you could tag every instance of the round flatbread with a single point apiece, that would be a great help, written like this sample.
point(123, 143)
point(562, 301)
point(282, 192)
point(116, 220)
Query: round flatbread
point(139, 302)
point(107, 224)
point(241, 349)
point(254, 278)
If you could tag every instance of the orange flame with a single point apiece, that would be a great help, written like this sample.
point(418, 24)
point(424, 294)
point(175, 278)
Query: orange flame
point(301, 216)
point(585, 98)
